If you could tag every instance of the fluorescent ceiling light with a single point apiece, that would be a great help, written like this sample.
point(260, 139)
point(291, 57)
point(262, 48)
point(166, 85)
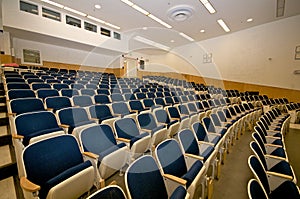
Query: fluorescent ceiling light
point(141, 10)
point(145, 12)
point(151, 43)
point(159, 21)
point(95, 19)
point(202, 31)
point(208, 6)
point(75, 11)
point(113, 26)
point(128, 2)
point(53, 3)
point(223, 25)
point(186, 36)
point(249, 20)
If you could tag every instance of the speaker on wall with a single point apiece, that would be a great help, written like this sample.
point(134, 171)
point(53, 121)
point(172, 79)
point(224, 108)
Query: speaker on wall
point(142, 64)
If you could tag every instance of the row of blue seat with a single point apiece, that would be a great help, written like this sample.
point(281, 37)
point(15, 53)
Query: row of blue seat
point(274, 176)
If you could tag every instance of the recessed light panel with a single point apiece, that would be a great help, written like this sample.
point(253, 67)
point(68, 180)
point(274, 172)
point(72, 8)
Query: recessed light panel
point(223, 25)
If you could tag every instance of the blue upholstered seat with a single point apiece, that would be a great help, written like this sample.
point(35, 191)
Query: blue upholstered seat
point(272, 164)
point(51, 169)
point(25, 105)
point(100, 140)
point(82, 100)
point(172, 161)
point(57, 102)
point(255, 190)
point(44, 92)
point(20, 93)
point(74, 117)
point(282, 189)
point(102, 99)
point(109, 192)
point(144, 180)
point(138, 142)
point(44, 122)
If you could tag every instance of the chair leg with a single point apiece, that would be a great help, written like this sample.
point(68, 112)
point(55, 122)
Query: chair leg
point(210, 188)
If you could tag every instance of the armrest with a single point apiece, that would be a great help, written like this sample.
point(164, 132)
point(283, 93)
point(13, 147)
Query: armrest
point(175, 178)
point(63, 125)
point(273, 145)
point(29, 186)
point(123, 140)
point(15, 136)
point(90, 154)
point(12, 114)
point(216, 134)
point(275, 157)
point(95, 119)
point(280, 175)
point(194, 156)
point(209, 143)
point(50, 109)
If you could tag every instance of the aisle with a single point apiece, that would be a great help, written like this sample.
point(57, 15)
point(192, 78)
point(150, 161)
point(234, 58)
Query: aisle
point(235, 173)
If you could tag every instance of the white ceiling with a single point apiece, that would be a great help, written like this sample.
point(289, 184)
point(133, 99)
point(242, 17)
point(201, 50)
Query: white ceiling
point(233, 12)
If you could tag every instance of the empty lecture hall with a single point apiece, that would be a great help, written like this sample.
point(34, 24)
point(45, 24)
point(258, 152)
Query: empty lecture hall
point(139, 99)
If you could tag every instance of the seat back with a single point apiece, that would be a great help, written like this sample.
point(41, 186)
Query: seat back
point(257, 138)
point(208, 125)
point(100, 112)
point(59, 86)
point(120, 108)
point(173, 112)
point(215, 119)
point(102, 99)
point(188, 141)
point(40, 168)
point(82, 100)
point(72, 115)
point(36, 86)
point(126, 128)
point(109, 192)
point(16, 85)
point(170, 158)
point(162, 116)
point(42, 120)
point(258, 153)
point(259, 172)
point(20, 93)
point(97, 139)
point(183, 109)
point(255, 190)
point(136, 105)
point(143, 179)
point(146, 121)
point(44, 92)
point(58, 102)
point(87, 91)
point(25, 105)
point(148, 103)
point(200, 131)
point(69, 92)
point(117, 97)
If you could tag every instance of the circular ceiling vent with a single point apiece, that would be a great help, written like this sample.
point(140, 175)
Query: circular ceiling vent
point(180, 13)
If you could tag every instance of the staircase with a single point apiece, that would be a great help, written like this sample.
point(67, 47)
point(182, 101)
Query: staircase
point(9, 180)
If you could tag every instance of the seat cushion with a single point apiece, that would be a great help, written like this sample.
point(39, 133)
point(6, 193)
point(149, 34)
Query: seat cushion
point(282, 167)
point(27, 138)
point(62, 176)
point(178, 193)
point(207, 152)
point(192, 173)
point(109, 151)
point(288, 189)
point(136, 138)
